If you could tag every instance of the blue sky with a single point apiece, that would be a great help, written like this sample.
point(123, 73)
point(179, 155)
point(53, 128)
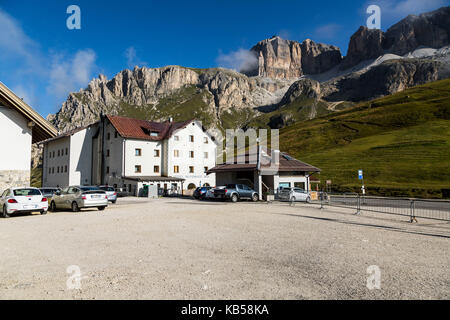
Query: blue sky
point(42, 60)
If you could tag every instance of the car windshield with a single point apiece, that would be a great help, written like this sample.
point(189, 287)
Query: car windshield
point(27, 192)
point(231, 186)
point(107, 188)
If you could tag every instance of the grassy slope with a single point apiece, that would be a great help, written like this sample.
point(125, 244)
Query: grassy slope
point(402, 142)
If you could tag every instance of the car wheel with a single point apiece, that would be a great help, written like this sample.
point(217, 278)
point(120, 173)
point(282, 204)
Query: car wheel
point(52, 206)
point(255, 197)
point(5, 212)
point(114, 201)
point(101, 208)
point(308, 200)
point(43, 212)
point(293, 199)
point(234, 198)
point(75, 207)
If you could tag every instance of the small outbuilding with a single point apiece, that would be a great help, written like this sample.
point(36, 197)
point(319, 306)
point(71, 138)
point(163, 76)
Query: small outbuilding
point(272, 171)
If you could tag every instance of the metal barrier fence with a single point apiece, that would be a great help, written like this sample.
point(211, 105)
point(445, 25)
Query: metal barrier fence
point(412, 208)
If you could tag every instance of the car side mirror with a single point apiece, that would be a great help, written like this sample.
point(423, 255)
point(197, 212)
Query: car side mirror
point(58, 193)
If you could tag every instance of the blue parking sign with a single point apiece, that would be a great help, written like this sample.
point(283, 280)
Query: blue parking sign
point(360, 174)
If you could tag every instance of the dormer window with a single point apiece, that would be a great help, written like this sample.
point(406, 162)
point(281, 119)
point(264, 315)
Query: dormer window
point(150, 132)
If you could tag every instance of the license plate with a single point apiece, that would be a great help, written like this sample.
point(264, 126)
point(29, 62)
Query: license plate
point(96, 196)
point(30, 207)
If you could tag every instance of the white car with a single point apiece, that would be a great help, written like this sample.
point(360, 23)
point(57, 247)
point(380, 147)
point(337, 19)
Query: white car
point(294, 194)
point(23, 200)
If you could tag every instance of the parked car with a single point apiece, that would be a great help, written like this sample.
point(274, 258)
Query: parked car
point(210, 193)
point(200, 193)
point(78, 197)
point(236, 192)
point(110, 192)
point(22, 200)
point(294, 194)
point(49, 192)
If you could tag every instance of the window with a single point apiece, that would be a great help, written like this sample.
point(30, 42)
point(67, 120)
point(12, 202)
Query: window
point(206, 169)
point(176, 153)
point(67, 151)
point(176, 169)
point(138, 152)
point(50, 170)
point(107, 153)
point(191, 169)
point(108, 136)
point(191, 154)
point(53, 154)
point(176, 138)
point(53, 170)
point(205, 140)
point(191, 138)
point(137, 169)
point(65, 168)
point(58, 153)
point(156, 169)
point(206, 155)
point(107, 169)
point(154, 134)
point(116, 134)
point(156, 153)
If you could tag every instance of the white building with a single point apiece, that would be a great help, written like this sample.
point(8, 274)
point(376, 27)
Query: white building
point(20, 126)
point(130, 153)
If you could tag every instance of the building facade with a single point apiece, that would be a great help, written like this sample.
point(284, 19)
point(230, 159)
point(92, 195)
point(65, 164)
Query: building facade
point(20, 127)
point(131, 154)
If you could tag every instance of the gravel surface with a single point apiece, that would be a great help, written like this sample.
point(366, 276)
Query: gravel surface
point(186, 249)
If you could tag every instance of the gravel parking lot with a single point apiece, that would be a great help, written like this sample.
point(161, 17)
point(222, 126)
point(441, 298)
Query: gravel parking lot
point(187, 249)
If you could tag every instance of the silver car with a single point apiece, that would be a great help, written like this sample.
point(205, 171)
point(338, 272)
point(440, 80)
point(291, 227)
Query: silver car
point(294, 194)
point(78, 197)
point(110, 192)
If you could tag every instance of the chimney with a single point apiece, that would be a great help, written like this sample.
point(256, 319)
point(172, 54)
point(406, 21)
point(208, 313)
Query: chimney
point(276, 157)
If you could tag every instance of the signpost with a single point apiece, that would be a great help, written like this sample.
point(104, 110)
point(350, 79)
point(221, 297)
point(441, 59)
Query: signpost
point(361, 177)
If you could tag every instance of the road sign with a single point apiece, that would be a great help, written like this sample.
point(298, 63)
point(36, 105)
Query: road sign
point(328, 181)
point(360, 175)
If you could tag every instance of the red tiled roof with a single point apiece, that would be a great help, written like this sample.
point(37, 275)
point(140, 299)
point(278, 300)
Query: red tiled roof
point(140, 129)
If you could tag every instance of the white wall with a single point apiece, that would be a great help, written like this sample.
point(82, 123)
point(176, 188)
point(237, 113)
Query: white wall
point(147, 160)
point(184, 161)
point(15, 140)
point(115, 160)
point(290, 179)
point(81, 157)
point(51, 176)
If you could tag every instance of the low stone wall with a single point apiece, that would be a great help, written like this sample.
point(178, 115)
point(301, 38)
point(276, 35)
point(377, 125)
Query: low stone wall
point(14, 178)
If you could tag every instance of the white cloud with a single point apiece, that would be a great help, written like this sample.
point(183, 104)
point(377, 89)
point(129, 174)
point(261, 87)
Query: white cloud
point(396, 10)
point(327, 31)
point(132, 58)
point(16, 46)
point(29, 69)
point(240, 60)
point(70, 73)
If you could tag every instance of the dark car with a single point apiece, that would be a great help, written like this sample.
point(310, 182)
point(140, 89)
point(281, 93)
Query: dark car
point(200, 192)
point(236, 192)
